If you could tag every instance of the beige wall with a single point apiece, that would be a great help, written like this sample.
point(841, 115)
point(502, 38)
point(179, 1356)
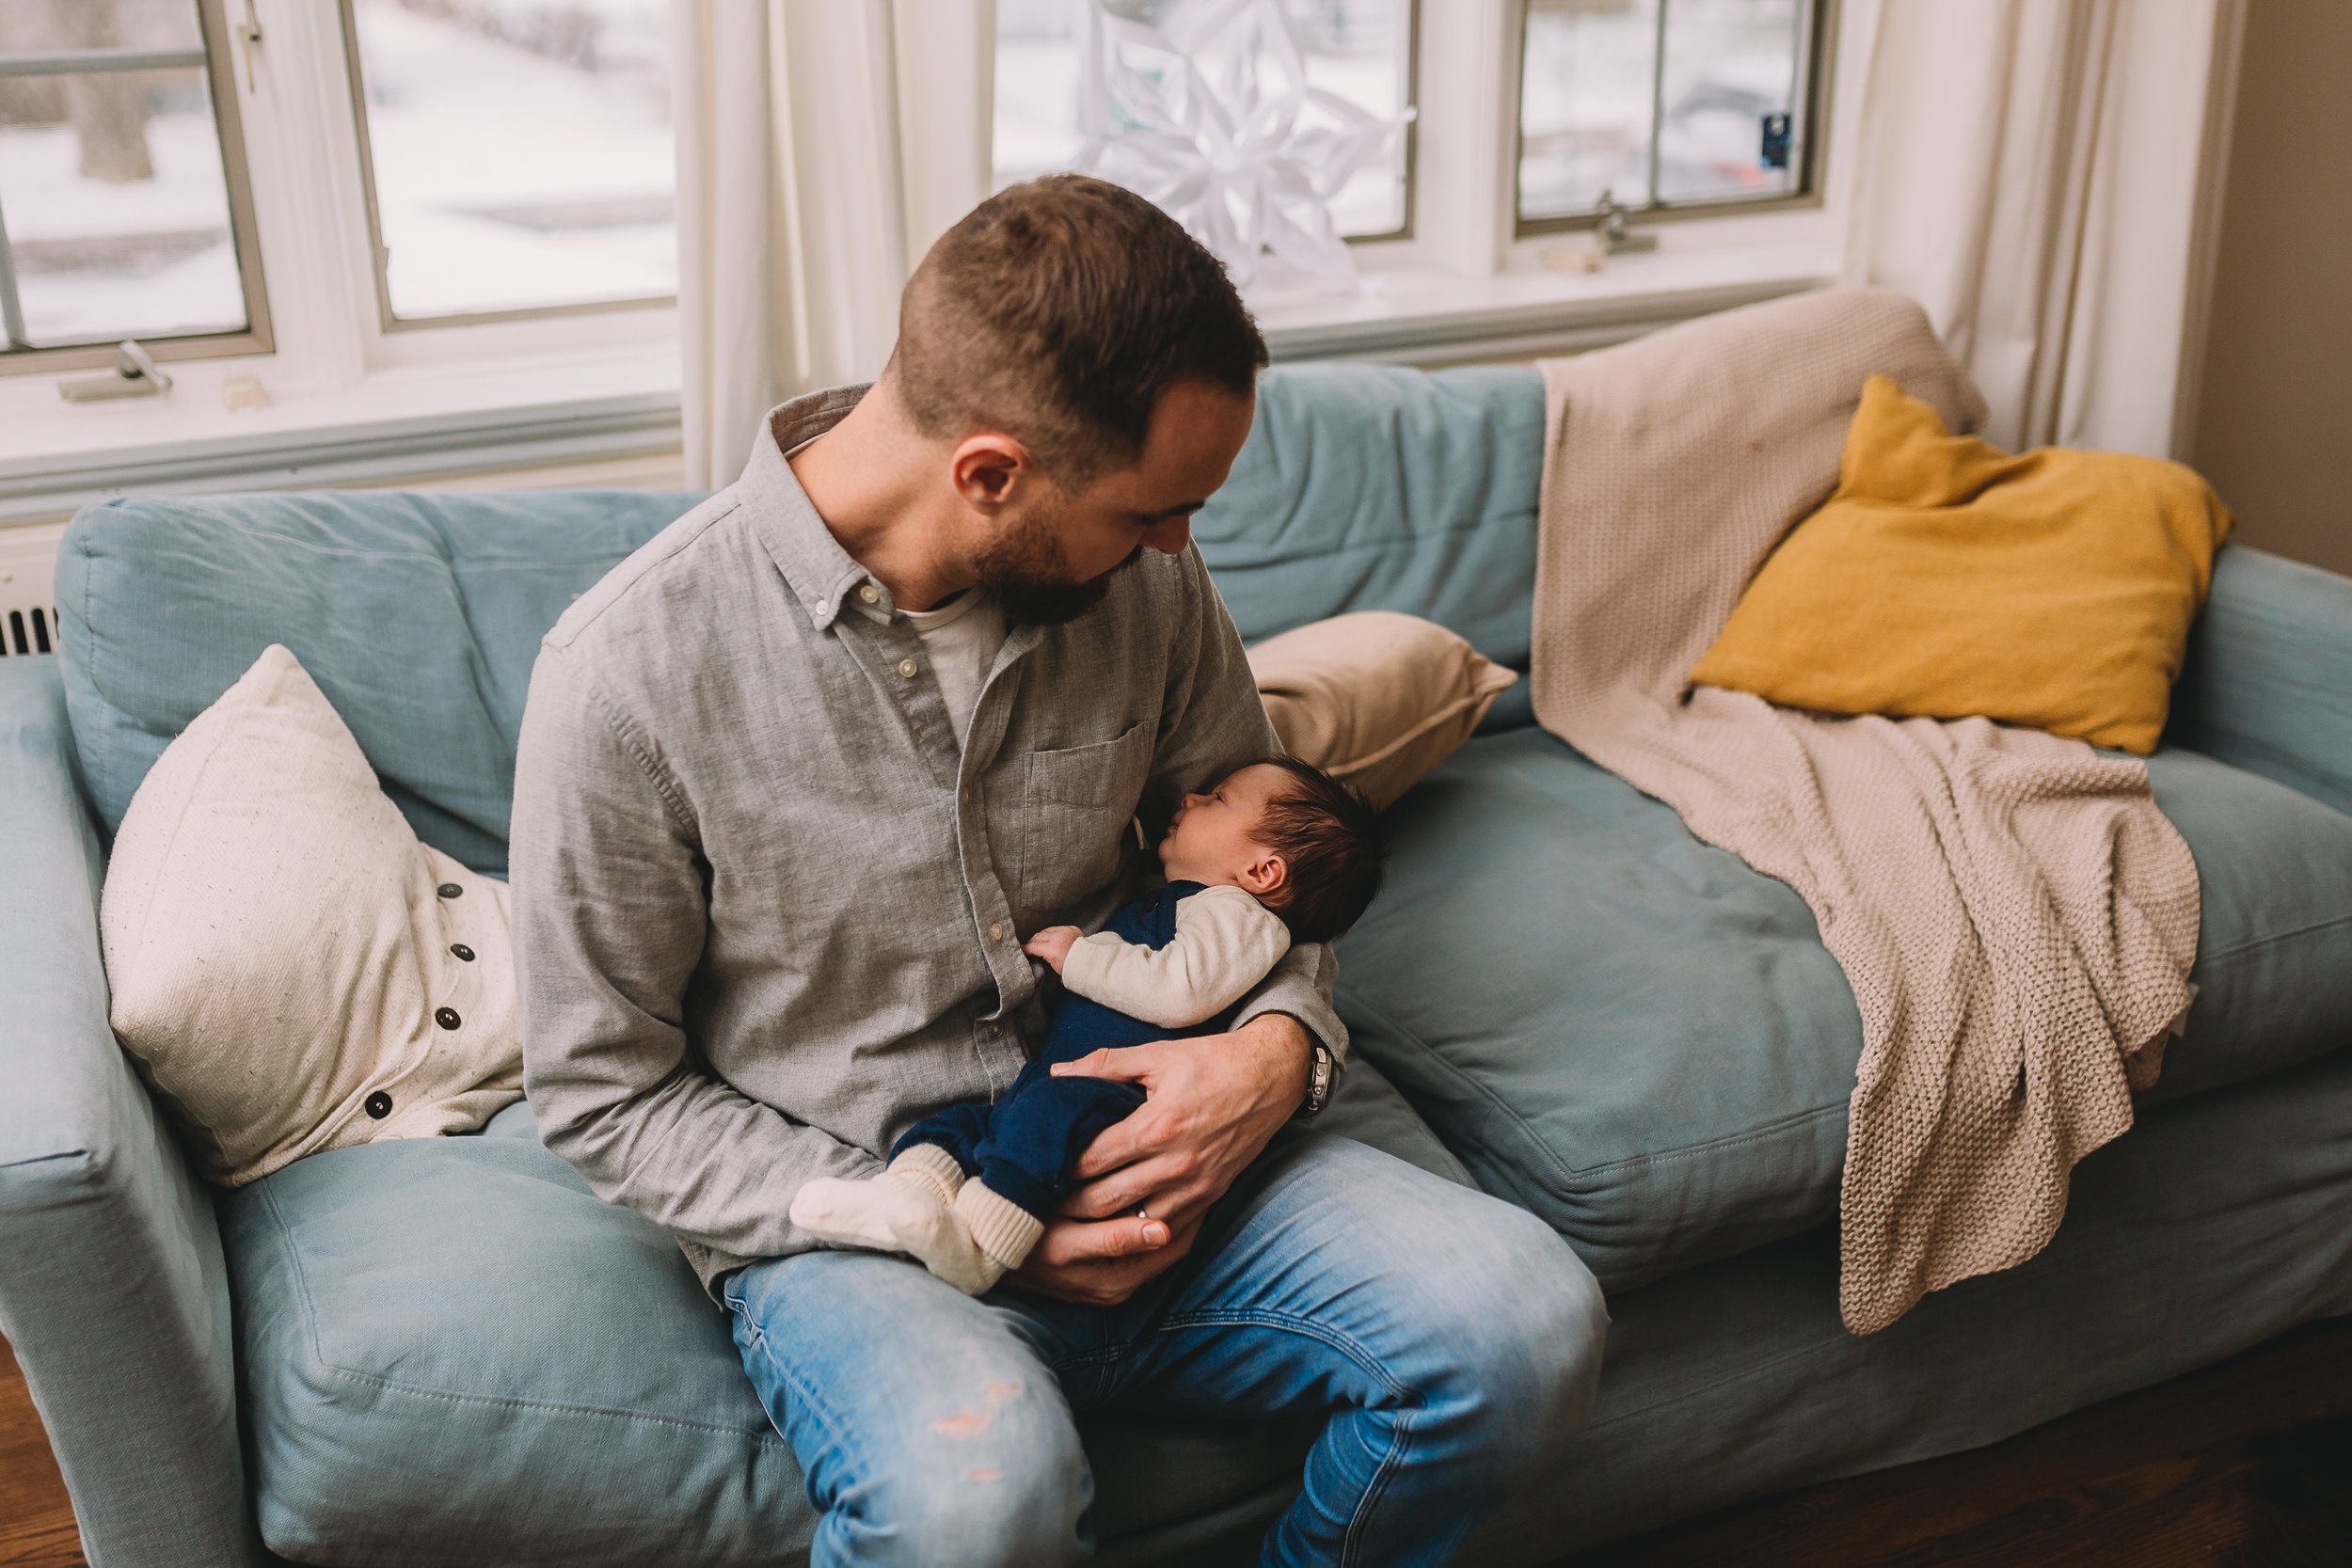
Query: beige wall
point(2274, 427)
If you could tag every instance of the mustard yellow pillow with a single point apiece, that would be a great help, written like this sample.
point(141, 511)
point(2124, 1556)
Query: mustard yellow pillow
point(1945, 577)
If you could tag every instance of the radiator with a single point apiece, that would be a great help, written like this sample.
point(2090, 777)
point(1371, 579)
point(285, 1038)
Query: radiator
point(28, 601)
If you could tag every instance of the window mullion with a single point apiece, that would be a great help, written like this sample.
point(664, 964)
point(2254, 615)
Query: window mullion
point(1468, 133)
point(1657, 105)
point(303, 155)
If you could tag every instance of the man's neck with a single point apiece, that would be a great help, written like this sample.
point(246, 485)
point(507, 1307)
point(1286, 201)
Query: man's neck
point(868, 481)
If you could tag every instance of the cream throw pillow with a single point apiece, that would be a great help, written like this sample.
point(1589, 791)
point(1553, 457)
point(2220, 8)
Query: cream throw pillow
point(1376, 698)
point(292, 970)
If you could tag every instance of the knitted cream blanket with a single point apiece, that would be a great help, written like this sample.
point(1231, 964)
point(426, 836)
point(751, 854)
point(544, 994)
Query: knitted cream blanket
point(2015, 916)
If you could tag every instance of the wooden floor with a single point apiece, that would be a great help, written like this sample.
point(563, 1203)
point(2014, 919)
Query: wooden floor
point(2248, 1464)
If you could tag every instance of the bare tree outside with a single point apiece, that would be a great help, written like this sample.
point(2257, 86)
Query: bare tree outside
point(108, 111)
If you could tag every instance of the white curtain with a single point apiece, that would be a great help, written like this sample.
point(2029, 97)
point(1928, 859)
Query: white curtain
point(821, 145)
point(2043, 175)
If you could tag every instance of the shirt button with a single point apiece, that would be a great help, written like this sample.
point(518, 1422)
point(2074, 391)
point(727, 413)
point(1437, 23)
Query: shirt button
point(995, 930)
point(465, 954)
point(380, 1105)
point(906, 668)
point(447, 1018)
point(449, 890)
point(818, 607)
point(868, 593)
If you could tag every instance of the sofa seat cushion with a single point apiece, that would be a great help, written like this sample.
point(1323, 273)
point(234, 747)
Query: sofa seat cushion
point(453, 1354)
point(1643, 1041)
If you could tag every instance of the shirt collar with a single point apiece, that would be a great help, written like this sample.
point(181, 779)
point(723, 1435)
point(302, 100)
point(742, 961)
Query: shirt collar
point(822, 574)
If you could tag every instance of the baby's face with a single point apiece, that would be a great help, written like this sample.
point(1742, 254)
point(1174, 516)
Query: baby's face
point(1213, 837)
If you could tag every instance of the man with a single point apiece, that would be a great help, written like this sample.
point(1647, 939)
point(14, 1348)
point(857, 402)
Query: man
point(795, 781)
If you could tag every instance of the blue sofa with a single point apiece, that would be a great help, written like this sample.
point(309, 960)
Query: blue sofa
point(450, 1352)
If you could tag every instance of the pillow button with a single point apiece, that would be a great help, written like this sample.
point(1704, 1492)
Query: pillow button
point(447, 1018)
point(464, 953)
point(449, 890)
point(380, 1105)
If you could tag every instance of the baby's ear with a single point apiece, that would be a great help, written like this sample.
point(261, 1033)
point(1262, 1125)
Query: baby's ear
point(1264, 875)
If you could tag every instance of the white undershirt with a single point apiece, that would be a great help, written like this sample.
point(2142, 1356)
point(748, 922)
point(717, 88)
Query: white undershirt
point(960, 639)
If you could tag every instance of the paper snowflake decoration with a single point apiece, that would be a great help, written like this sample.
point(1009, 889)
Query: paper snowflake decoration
point(1209, 115)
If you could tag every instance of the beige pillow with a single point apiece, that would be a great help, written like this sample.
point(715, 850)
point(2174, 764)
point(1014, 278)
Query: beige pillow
point(1376, 698)
point(285, 956)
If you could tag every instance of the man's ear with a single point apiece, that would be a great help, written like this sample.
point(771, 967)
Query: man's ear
point(988, 469)
point(1264, 875)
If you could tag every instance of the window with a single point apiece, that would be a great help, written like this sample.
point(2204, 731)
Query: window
point(517, 155)
point(1350, 55)
point(1664, 105)
point(124, 206)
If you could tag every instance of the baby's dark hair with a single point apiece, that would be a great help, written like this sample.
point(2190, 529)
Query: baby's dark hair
point(1328, 834)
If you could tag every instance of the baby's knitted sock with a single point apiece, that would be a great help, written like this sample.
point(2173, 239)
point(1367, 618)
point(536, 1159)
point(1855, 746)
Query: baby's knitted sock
point(930, 1165)
point(1004, 1230)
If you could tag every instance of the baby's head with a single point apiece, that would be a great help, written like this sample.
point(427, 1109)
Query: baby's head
point(1298, 840)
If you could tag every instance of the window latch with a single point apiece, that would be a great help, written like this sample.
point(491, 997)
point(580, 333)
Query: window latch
point(1609, 231)
point(136, 375)
point(249, 36)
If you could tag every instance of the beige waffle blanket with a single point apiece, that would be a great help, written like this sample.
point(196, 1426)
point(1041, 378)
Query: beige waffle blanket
point(2015, 916)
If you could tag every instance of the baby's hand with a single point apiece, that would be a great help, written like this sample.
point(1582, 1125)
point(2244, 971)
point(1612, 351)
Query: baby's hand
point(1052, 944)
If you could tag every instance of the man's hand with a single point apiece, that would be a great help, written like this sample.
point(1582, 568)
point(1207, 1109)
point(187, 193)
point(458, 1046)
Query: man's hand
point(1148, 1181)
point(1053, 944)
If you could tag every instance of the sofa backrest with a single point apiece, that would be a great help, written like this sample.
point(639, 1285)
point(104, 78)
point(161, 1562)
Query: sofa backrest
point(418, 615)
point(1376, 487)
point(1362, 487)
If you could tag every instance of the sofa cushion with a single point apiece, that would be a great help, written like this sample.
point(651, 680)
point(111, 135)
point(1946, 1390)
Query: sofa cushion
point(454, 1354)
point(1644, 1041)
point(1374, 487)
point(418, 615)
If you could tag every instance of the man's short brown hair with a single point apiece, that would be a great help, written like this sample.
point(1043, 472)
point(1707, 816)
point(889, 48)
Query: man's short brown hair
point(1057, 311)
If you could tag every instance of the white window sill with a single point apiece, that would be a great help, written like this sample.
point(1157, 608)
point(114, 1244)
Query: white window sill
point(1427, 316)
point(410, 421)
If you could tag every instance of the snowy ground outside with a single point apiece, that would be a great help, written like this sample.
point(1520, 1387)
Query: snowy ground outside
point(507, 178)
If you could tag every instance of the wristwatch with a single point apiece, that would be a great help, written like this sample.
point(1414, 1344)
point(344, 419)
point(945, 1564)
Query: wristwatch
point(1320, 1072)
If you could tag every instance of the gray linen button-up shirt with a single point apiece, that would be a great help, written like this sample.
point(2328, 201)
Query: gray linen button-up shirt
point(767, 913)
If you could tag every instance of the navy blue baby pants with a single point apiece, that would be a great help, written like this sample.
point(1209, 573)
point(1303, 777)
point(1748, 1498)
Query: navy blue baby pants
point(1024, 1144)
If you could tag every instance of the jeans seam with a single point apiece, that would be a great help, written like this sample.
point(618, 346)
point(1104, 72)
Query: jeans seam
point(1360, 1525)
point(798, 1389)
point(1353, 1349)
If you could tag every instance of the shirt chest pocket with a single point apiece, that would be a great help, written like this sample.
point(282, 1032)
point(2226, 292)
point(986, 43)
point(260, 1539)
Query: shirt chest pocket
point(1076, 803)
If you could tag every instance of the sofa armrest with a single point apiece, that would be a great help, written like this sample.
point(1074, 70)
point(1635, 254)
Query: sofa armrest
point(2267, 685)
point(113, 1288)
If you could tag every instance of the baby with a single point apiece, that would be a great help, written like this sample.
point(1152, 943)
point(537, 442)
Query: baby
point(1278, 852)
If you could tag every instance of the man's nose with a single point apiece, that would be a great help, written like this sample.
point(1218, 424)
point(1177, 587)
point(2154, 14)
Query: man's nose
point(1170, 536)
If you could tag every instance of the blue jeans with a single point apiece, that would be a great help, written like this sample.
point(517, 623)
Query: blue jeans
point(1454, 1338)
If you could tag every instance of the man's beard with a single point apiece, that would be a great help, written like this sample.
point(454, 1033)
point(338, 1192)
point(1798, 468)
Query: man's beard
point(1027, 570)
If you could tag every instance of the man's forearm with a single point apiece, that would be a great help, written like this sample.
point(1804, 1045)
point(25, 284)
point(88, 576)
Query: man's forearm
point(693, 1155)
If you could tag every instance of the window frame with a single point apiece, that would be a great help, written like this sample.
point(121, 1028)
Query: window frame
point(1818, 27)
point(387, 320)
point(1408, 135)
point(257, 336)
